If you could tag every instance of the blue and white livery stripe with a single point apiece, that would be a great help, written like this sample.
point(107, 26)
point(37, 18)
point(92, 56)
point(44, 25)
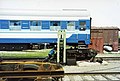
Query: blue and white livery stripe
point(38, 34)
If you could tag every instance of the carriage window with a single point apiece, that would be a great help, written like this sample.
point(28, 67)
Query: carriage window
point(82, 25)
point(35, 25)
point(15, 25)
point(55, 25)
point(70, 25)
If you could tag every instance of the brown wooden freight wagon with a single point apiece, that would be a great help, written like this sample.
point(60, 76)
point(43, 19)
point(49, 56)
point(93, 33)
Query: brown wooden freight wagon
point(109, 34)
point(97, 44)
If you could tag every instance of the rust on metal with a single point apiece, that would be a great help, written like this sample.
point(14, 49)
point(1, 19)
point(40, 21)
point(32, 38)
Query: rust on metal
point(109, 35)
point(30, 69)
point(97, 44)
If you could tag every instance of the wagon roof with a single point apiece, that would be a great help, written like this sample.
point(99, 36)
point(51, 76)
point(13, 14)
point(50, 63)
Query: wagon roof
point(105, 28)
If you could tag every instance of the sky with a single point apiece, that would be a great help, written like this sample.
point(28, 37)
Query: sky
point(103, 12)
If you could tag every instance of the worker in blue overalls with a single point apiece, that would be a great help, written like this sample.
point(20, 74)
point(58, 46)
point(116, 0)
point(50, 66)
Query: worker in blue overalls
point(50, 54)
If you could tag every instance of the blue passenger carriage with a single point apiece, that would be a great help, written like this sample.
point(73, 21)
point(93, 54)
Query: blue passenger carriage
point(20, 31)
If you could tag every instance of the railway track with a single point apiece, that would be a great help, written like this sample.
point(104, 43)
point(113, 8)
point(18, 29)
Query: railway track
point(83, 76)
point(110, 58)
point(92, 76)
point(80, 76)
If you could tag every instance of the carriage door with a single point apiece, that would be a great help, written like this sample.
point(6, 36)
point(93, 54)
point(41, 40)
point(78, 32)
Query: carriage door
point(82, 31)
point(82, 25)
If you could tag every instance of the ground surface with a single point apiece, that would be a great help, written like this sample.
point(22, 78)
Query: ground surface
point(87, 67)
point(82, 66)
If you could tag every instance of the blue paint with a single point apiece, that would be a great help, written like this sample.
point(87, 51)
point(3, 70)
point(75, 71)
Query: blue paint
point(4, 24)
point(52, 52)
point(63, 25)
point(25, 24)
point(76, 24)
point(45, 25)
point(88, 24)
point(84, 37)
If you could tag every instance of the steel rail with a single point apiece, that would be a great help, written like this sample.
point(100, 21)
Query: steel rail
point(23, 74)
point(112, 72)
